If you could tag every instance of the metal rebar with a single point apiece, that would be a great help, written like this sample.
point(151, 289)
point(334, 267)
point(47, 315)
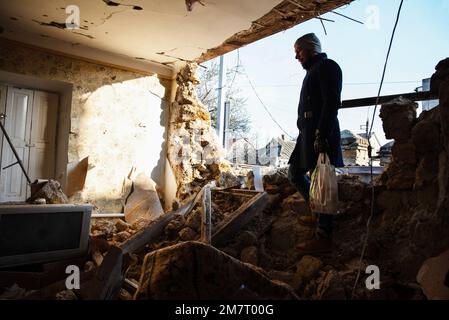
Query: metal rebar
point(339, 14)
point(15, 153)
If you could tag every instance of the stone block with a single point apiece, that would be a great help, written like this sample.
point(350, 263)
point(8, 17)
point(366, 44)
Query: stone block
point(404, 152)
point(398, 118)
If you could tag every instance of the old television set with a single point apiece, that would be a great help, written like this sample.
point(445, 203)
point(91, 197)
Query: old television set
point(31, 234)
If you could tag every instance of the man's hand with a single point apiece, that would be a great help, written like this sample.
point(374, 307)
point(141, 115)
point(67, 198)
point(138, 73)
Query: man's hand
point(320, 145)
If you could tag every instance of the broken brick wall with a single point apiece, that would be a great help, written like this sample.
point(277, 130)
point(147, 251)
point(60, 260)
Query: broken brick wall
point(117, 118)
point(194, 152)
point(413, 201)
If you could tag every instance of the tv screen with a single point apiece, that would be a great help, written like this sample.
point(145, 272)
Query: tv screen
point(37, 233)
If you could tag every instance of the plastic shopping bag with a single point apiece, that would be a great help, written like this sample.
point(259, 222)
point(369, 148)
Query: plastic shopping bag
point(324, 187)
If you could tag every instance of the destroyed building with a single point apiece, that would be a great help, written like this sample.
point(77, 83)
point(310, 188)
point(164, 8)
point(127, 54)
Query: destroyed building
point(169, 219)
point(355, 148)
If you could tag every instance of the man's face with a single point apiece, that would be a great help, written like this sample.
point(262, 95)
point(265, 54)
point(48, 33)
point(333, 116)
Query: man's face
point(302, 55)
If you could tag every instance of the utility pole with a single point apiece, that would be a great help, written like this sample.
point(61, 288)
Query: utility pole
point(227, 119)
point(221, 100)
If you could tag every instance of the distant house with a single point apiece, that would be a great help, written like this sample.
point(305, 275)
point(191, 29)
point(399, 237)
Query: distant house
point(355, 148)
point(375, 143)
point(242, 151)
point(277, 152)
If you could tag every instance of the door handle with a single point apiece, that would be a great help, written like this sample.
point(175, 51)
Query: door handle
point(30, 145)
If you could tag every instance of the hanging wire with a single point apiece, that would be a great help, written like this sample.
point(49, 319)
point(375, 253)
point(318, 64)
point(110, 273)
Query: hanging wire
point(263, 104)
point(342, 15)
point(370, 150)
point(322, 23)
point(236, 69)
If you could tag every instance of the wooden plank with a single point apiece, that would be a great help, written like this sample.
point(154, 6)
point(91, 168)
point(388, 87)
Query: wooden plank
point(108, 278)
point(145, 235)
point(371, 101)
point(242, 216)
point(55, 271)
point(101, 283)
point(237, 194)
point(237, 191)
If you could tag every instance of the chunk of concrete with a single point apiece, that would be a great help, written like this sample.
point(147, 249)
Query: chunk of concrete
point(433, 276)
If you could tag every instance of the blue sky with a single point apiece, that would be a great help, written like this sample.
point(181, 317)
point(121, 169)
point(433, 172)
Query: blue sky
point(421, 41)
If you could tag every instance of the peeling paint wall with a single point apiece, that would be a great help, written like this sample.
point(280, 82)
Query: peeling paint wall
point(117, 118)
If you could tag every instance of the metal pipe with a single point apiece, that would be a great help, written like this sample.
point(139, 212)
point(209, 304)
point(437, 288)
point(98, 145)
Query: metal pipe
point(107, 215)
point(15, 153)
point(206, 227)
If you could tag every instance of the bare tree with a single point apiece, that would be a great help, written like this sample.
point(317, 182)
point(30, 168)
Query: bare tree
point(240, 121)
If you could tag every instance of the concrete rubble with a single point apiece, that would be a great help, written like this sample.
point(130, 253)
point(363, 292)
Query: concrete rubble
point(194, 153)
point(260, 261)
point(192, 270)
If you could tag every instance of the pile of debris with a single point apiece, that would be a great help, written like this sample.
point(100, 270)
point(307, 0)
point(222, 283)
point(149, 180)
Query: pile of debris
point(241, 243)
point(409, 220)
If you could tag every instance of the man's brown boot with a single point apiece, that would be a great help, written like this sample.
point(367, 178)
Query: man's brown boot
point(308, 221)
point(318, 244)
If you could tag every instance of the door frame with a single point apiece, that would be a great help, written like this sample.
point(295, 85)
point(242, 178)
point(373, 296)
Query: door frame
point(37, 94)
point(64, 90)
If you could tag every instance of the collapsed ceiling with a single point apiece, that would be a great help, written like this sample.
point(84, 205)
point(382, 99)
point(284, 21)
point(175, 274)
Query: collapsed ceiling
point(158, 33)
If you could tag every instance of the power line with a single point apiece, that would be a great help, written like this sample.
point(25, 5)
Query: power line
point(345, 84)
point(365, 243)
point(236, 68)
point(263, 104)
point(342, 15)
point(385, 65)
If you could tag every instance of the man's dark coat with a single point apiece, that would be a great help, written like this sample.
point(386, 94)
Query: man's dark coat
point(318, 108)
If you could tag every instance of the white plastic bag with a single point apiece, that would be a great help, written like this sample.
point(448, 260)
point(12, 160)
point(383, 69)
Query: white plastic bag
point(324, 187)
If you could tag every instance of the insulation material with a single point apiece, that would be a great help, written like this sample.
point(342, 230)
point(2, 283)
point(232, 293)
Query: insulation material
point(143, 203)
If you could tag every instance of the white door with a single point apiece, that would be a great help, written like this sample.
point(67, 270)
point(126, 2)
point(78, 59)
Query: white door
point(2, 114)
point(19, 102)
point(31, 120)
point(43, 136)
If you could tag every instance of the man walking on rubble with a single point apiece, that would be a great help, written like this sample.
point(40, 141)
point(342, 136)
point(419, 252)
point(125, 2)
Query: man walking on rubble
point(319, 131)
